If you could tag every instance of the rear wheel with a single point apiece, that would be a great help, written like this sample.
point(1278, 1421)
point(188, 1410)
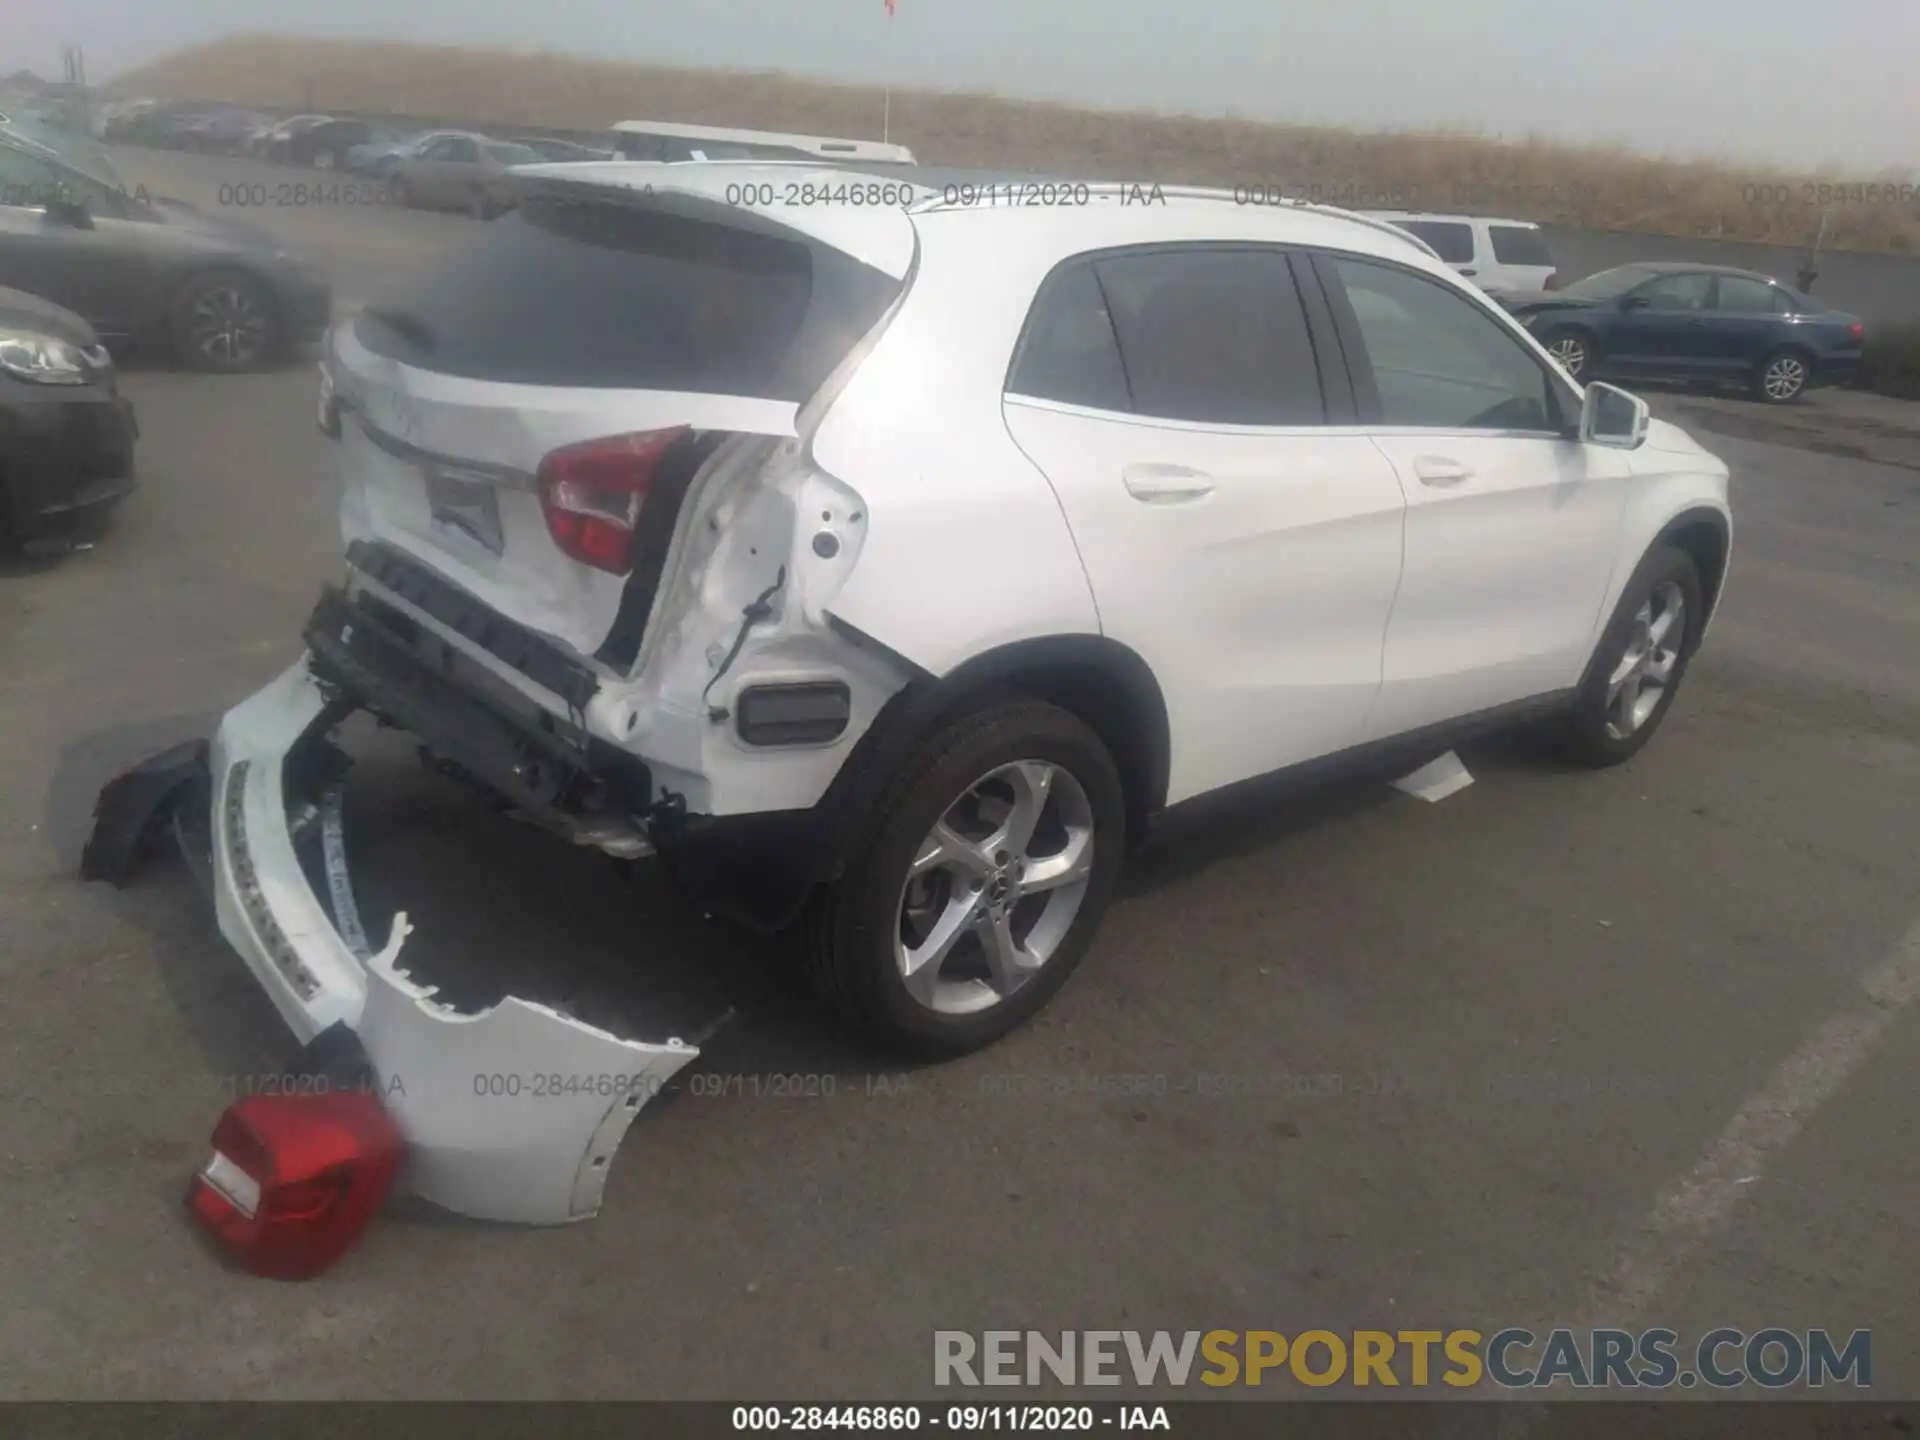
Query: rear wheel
point(224, 322)
point(480, 205)
point(324, 160)
point(983, 875)
point(1636, 671)
point(1783, 377)
point(398, 191)
point(1573, 349)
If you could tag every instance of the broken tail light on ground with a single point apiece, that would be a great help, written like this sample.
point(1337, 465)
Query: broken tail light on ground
point(294, 1179)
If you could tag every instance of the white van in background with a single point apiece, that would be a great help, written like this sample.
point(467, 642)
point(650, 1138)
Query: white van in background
point(653, 140)
point(1494, 254)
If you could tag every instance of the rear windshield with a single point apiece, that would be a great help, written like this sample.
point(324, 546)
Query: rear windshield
point(615, 295)
point(1520, 245)
point(1451, 241)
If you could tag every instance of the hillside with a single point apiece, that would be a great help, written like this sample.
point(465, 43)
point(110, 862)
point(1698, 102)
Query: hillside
point(1591, 188)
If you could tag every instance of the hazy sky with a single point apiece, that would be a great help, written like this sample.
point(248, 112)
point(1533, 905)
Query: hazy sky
point(1806, 83)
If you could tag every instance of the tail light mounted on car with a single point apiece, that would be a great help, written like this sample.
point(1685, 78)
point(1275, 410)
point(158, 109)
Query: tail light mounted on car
point(591, 493)
point(1856, 333)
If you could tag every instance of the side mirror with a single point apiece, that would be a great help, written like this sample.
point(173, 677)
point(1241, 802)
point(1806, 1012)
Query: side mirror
point(1611, 417)
point(69, 212)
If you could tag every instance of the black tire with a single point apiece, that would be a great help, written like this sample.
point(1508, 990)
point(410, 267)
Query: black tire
point(1784, 376)
point(1573, 338)
point(225, 322)
point(398, 191)
point(852, 927)
point(481, 207)
point(1592, 734)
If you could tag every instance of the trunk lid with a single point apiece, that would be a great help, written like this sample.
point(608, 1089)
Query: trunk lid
point(640, 301)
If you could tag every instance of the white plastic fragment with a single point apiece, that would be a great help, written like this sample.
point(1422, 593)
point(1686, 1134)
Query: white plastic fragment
point(1437, 779)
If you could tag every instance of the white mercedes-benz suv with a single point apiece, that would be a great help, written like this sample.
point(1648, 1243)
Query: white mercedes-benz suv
point(885, 556)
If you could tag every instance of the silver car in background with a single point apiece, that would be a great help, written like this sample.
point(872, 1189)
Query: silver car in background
point(460, 172)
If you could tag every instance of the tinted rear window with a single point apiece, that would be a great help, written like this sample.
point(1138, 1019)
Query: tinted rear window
point(618, 296)
point(1520, 245)
point(1451, 241)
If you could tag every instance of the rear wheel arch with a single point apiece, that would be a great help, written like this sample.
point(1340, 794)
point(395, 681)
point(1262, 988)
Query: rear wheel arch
point(1102, 682)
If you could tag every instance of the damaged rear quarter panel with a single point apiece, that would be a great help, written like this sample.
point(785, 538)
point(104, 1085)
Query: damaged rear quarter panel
point(967, 547)
point(761, 526)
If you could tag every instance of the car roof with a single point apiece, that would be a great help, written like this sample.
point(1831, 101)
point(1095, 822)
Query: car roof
point(1688, 267)
point(1183, 212)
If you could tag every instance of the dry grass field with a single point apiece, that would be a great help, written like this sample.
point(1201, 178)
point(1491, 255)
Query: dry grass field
point(1590, 188)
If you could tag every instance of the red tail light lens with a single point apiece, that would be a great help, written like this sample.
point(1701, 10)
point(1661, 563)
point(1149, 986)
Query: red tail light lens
point(592, 493)
point(1857, 331)
point(294, 1179)
point(1552, 281)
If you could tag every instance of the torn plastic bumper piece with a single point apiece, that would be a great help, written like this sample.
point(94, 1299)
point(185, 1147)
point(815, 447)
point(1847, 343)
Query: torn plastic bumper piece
point(487, 1135)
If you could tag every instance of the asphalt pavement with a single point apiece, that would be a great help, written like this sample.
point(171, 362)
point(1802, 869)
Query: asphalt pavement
point(1565, 1048)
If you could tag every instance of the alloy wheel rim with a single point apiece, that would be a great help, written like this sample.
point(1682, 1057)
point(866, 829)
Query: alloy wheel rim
point(228, 325)
point(1785, 377)
point(994, 888)
point(1571, 354)
point(1643, 674)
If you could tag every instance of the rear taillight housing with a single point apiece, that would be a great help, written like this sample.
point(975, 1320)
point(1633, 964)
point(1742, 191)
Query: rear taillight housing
point(592, 493)
point(1552, 281)
point(294, 1179)
point(1856, 332)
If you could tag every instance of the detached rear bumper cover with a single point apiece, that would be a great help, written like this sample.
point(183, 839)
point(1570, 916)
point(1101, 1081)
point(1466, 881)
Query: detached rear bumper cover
point(474, 1094)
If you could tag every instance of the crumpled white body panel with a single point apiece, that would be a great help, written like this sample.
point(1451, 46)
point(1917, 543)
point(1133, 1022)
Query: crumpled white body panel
point(513, 1113)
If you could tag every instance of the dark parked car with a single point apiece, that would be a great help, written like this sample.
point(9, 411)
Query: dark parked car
point(66, 435)
point(1694, 322)
point(218, 293)
point(224, 132)
point(325, 146)
point(273, 144)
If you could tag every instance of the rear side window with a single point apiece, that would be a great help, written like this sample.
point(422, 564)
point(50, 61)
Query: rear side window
point(607, 294)
point(1451, 240)
point(1519, 245)
point(1070, 353)
point(1741, 296)
point(1212, 335)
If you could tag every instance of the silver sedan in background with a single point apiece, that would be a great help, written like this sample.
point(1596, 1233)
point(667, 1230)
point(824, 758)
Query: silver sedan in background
point(460, 172)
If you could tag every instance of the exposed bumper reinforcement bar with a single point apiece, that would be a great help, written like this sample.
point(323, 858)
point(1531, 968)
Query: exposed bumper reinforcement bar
point(487, 1133)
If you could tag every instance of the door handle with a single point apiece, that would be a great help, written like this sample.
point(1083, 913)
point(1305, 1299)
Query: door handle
point(1164, 483)
point(1439, 470)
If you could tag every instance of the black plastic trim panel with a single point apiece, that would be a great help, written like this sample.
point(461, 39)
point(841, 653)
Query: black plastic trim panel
point(353, 651)
point(540, 660)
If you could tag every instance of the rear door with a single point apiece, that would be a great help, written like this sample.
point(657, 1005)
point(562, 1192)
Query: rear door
point(1746, 323)
point(586, 314)
point(1239, 533)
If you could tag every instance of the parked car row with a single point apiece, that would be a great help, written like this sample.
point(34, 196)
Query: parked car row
point(146, 271)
